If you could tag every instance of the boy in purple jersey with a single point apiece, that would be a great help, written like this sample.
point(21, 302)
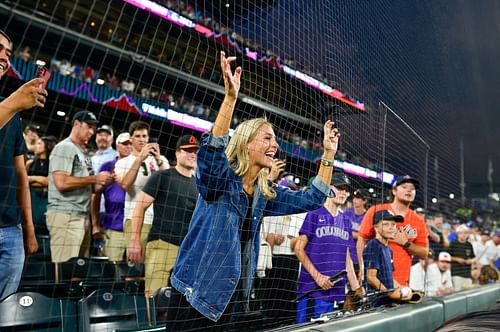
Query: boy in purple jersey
point(323, 250)
point(355, 215)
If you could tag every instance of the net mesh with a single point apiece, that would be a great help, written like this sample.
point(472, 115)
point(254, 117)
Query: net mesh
point(366, 66)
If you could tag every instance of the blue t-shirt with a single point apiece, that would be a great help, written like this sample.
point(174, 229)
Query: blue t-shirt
point(356, 220)
point(11, 145)
point(328, 240)
point(379, 257)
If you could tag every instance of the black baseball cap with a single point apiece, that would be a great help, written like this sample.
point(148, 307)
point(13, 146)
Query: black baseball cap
point(361, 193)
point(186, 142)
point(339, 179)
point(406, 179)
point(386, 215)
point(32, 127)
point(85, 116)
point(105, 128)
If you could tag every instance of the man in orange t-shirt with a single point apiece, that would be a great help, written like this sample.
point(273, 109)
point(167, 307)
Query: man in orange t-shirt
point(411, 237)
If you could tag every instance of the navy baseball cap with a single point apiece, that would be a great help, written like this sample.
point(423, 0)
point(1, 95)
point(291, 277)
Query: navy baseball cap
point(406, 179)
point(386, 215)
point(85, 116)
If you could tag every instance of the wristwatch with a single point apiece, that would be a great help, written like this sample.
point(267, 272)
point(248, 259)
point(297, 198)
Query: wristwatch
point(407, 244)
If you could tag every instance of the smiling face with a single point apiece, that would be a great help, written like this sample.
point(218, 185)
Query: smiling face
point(103, 140)
point(5, 53)
point(405, 193)
point(263, 147)
point(186, 158)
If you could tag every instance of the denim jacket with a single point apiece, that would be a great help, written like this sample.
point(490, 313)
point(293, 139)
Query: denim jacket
point(208, 266)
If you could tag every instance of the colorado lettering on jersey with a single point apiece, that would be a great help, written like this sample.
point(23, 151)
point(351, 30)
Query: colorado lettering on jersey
point(332, 231)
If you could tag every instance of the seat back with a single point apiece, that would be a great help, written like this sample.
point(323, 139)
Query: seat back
point(161, 299)
point(130, 277)
point(43, 252)
point(86, 269)
point(105, 310)
point(128, 270)
point(30, 311)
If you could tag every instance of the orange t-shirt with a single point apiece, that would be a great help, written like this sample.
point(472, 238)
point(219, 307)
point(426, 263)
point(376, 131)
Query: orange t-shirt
point(416, 231)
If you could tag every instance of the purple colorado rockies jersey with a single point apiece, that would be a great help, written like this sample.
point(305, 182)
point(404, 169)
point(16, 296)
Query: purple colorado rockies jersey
point(328, 240)
point(356, 222)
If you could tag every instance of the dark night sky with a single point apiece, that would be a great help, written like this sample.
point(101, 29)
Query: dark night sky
point(435, 62)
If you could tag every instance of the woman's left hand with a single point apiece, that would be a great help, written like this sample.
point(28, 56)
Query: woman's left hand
point(332, 136)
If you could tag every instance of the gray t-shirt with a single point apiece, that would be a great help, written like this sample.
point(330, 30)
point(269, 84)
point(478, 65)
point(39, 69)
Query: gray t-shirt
point(73, 159)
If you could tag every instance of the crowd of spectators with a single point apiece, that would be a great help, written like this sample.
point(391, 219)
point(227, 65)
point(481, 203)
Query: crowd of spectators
point(72, 179)
point(186, 105)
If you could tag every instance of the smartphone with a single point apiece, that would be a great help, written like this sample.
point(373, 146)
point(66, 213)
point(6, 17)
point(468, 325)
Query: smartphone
point(153, 140)
point(44, 73)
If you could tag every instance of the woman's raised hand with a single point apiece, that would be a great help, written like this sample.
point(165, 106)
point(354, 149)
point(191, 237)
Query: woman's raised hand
point(231, 81)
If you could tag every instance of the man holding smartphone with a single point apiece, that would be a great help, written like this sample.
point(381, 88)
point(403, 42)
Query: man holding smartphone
point(29, 95)
point(16, 223)
point(132, 173)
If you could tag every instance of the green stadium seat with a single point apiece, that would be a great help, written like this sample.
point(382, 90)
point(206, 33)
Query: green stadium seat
point(106, 310)
point(30, 311)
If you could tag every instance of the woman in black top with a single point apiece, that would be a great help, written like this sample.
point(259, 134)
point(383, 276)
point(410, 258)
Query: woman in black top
point(38, 172)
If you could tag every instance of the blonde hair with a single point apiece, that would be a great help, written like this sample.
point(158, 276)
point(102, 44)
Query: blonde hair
point(237, 153)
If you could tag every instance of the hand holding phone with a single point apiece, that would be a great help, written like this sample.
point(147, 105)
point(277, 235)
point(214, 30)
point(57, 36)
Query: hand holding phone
point(44, 73)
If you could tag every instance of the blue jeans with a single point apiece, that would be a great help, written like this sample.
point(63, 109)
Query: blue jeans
point(11, 259)
point(318, 307)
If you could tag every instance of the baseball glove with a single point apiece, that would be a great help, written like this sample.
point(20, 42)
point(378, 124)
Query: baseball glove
point(416, 297)
point(353, 299)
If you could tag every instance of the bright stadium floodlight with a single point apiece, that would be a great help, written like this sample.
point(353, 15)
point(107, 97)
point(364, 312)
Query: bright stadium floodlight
point(100, 81)
point(434, 200)
point(451, 196)
point(40, 63)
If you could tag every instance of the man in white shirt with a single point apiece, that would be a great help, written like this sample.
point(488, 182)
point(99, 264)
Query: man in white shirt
point(280, 283)
point(435, 279)
point(484, 249)
point(132, 173)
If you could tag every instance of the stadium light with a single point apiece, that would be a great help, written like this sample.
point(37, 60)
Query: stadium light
point(371, 190)
point(61, 113)
point(100, 81)
point(434, 200)
point(40, 63)
point(451, 196)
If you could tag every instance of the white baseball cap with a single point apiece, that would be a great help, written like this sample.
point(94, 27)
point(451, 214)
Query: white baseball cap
point(444, 256)
point(122, 138)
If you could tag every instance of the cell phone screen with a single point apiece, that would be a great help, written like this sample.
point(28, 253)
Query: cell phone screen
point(44, 73)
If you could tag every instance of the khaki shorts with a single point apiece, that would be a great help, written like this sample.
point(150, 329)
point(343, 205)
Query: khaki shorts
point(144, 233)
point(69, 235)
point(158, 264)
point(114, 246)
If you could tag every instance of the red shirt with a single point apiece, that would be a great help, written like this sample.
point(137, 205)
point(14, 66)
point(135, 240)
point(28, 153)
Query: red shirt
point(416, 231)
